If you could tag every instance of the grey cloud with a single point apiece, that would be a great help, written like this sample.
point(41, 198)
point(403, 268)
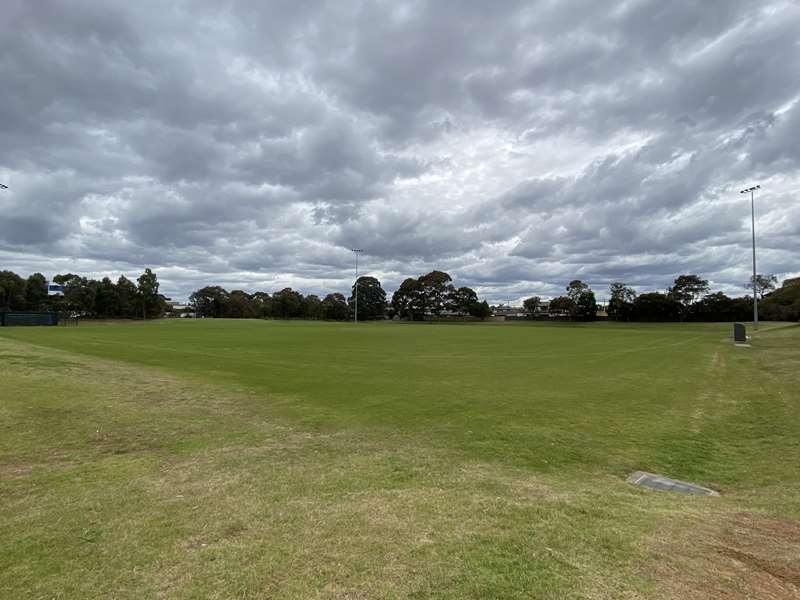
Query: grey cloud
point(254, 143)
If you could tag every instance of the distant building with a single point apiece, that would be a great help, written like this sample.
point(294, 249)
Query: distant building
point(176, 308)
point(55, 289)
point(505, 310)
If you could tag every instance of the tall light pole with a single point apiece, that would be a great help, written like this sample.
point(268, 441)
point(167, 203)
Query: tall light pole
point(752, 191)
point(356, 251)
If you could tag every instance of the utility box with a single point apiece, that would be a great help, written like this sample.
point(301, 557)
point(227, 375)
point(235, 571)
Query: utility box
point(739, 334)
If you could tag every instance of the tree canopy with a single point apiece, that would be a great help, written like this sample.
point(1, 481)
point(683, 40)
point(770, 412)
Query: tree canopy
point(562, 304)
point(585, 306)
point(88, 298)
point(436, 291)
point(575, 288)
point(688, 289)
point(334, 307)
point(371, 298)
point(531, 305)
point(783, 304)
point(210, 301)
point(36, 292)
point(764, 283)
point(148, 294)
point(656, 306)
point(430, 296)
point(12, 291)
point(407, 300)
point(620, 303)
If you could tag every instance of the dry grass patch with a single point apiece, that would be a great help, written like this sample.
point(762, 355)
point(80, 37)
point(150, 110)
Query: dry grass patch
point(727, 555)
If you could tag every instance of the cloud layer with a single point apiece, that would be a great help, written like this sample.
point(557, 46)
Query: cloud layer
point(252, 144)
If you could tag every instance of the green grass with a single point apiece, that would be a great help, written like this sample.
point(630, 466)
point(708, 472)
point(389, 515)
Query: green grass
point(253, 459)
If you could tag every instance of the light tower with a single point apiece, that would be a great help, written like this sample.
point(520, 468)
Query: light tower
point(752, 191)
point(356, 251)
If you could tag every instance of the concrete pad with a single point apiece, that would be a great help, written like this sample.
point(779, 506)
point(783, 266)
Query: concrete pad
point(665, 484)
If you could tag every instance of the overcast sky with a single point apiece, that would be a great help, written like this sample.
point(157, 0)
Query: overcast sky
point(516, 145)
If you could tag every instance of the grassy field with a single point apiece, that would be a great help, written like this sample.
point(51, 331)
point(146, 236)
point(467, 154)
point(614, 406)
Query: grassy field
point(272, 460)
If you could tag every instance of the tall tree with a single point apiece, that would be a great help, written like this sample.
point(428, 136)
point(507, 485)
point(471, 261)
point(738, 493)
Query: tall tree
point(12, 291)
point(764, 284)
point(575, 288)
point(36, 292)
point(783, 304)
point(688, 289)
point(240, 305)
point(80, 294)
point(126, 297)
point(107, 299)
point(620, 304)
point(562, 305)
point(532, 304)
point(481, 310)
point(656, 306)
point(287, 304)
point(64, 279)
point(371, 298)
point(585, 306)
point(794, 281)
point(210, 301)
point(262, 303)
point(148, 293)
point(463, 301)
point(312, 307)
point(334, 307)
point(407, 301)
point(436, 289)
point(718, 307)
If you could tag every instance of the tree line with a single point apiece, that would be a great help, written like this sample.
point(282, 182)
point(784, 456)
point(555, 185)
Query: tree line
point(579, 303)
point(432, 295)
point(689, 298)
point(217, 302)
point(89, 298)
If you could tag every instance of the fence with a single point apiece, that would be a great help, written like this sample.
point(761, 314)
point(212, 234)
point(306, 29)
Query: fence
point(9, 319)
point(67, 319)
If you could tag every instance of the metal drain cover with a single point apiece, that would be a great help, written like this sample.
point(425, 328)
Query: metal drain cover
point(665, 484)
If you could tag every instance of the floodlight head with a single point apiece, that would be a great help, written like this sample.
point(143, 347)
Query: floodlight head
point(750, 189)
point(357, 249)
point(3, 187)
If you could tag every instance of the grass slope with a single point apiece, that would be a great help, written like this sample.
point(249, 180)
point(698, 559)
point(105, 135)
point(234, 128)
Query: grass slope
point(251, 459)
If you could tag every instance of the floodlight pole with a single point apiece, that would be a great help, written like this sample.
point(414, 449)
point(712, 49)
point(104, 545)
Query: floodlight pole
point(356, 251)
point(752, 191)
